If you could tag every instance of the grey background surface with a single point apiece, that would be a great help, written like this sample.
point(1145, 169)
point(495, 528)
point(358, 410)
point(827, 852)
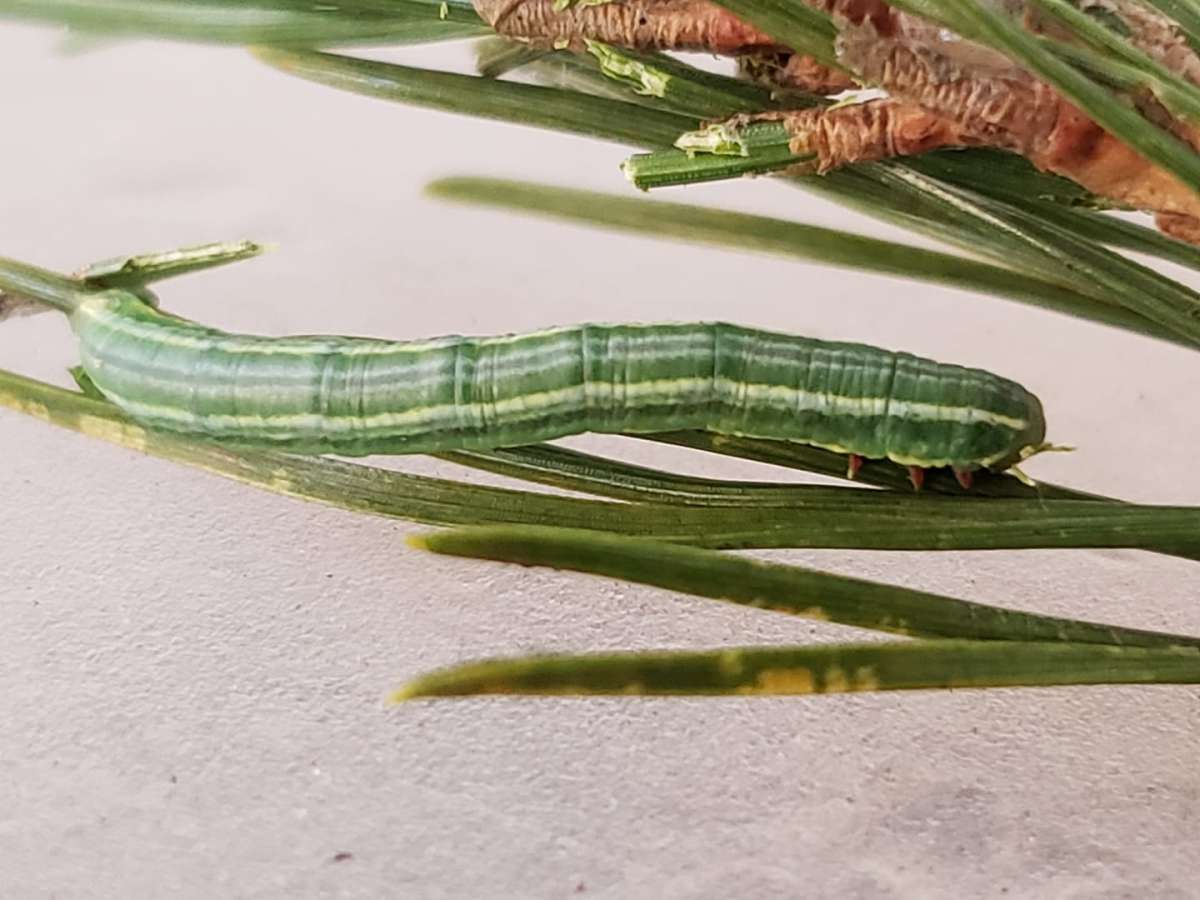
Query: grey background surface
point(193, 671)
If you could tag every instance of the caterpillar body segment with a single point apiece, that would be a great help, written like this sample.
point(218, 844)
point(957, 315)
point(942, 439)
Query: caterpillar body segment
point(359, 396)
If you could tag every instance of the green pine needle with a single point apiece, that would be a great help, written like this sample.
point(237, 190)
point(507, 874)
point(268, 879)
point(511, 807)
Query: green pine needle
point(793, 590)
point(829, 669)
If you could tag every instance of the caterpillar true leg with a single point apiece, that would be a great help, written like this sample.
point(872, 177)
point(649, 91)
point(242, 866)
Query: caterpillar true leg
point(916, 474)
point(853, 465)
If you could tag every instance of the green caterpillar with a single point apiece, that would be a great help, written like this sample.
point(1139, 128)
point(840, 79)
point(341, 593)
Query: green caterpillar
point(358, 396)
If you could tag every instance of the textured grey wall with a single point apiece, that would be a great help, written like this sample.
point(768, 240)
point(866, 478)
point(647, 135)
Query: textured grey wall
point(192, 672)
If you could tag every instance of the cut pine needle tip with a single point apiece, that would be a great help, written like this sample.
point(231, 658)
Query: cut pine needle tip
point(33, 290)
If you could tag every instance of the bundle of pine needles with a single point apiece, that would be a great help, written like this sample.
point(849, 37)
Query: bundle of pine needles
point(1011, 230)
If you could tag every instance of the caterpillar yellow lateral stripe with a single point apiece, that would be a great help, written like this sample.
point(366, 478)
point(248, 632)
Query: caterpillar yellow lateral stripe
point(360, 396)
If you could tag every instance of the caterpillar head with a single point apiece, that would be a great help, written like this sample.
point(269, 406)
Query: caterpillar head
point(1028, 442)
point(1033, 441)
